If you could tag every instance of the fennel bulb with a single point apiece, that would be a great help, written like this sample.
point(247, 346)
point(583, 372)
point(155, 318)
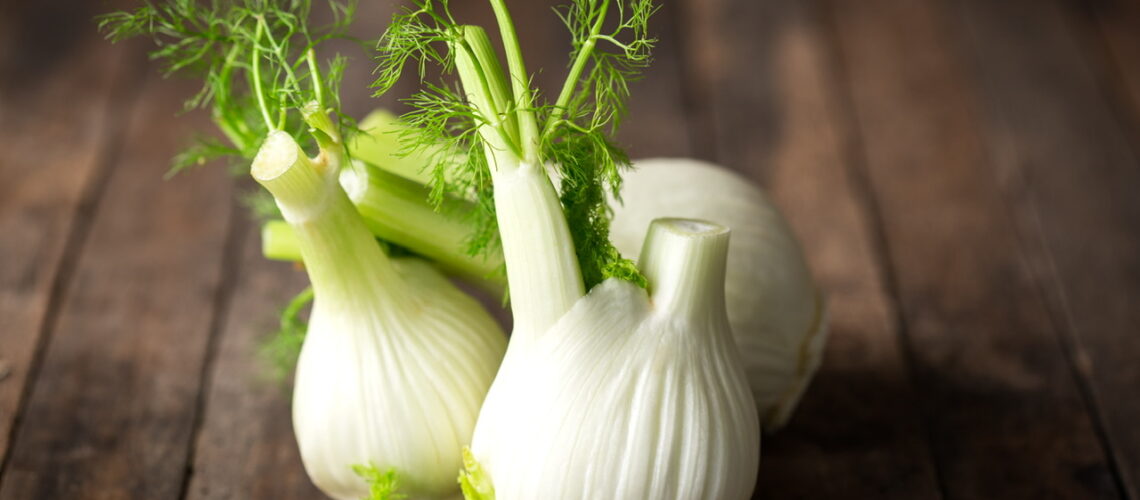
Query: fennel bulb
point(396, 361)
point(617, 393)
point(777, 314)
point(629, 394)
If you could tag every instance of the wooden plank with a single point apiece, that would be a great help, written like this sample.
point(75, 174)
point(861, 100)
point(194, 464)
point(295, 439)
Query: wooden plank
point(111, 412)
point(356, 95)
point(659, 121)
point(761, 71)
point(246, 447)
point(1113, 27)
point(60, 95)
point(1006, 418)
point(1070, 175)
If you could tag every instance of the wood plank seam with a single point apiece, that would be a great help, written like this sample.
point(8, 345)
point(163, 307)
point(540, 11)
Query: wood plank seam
point(772, 81)
point(230, 270)
point(119, 103)
point(111, 411)
point(1049, 283)
point(865, 195)
point(1075, 353)
point(931, 90)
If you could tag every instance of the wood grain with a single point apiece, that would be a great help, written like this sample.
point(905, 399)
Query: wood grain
point(660, 123)
point(110, 414)
point(59, 118)
point(961, 172)
point(246, 448)
point(1006, 417)
point(1070, 175)
point(777, 120)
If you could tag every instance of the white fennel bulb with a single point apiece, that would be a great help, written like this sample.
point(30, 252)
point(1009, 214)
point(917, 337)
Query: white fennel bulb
point(777, 314)
point(629, 394)
point(396, 361)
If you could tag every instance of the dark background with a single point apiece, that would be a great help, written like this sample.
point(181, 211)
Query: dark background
point(963, 175)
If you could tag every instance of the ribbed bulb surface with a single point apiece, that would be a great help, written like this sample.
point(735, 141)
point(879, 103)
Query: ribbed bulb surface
point(777, 314)
point(629, 395)
point(396, 361)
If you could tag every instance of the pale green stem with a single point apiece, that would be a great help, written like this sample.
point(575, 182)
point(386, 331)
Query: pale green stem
point(520, 82)
point(479, 94)
point(256, 75)
point(237, 131)
point(542, 268)
point(315, 75)
point(278, 50)
point(343, 260)
point(487, 63)
point(279, 241)
point(576, 69)
point(325, 132)
point(396, 210)
point(380, 145)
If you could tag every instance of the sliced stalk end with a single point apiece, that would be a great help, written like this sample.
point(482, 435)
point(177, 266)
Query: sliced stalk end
point(684, 261)
point(291, 177)
point(342, 258)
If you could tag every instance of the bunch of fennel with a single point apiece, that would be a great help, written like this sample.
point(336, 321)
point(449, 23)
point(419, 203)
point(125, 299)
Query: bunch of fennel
point(620, 380)
point(777, 314)
point(396, 361)
point(621, 392)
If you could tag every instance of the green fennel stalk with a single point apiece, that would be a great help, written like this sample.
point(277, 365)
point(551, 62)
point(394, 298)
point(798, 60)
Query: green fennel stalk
point(258, 62)
point(556, 242)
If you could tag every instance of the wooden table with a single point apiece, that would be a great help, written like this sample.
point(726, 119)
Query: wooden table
point(964, 175)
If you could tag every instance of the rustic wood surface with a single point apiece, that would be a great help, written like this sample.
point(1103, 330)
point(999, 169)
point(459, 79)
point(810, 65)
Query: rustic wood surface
point(963, 175)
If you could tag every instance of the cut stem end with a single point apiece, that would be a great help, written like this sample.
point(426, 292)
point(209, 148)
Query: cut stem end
point(684, 261)
point(290, 176)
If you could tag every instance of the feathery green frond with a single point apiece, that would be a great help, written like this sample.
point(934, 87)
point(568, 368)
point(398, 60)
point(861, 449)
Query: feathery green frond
point(420, 35)
point(202, 151)
point(255, 57)
point(280, 351)
point(483, 120)
point(603, 61)
point(587, 112)
point(589, 165)
point(440, 125)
